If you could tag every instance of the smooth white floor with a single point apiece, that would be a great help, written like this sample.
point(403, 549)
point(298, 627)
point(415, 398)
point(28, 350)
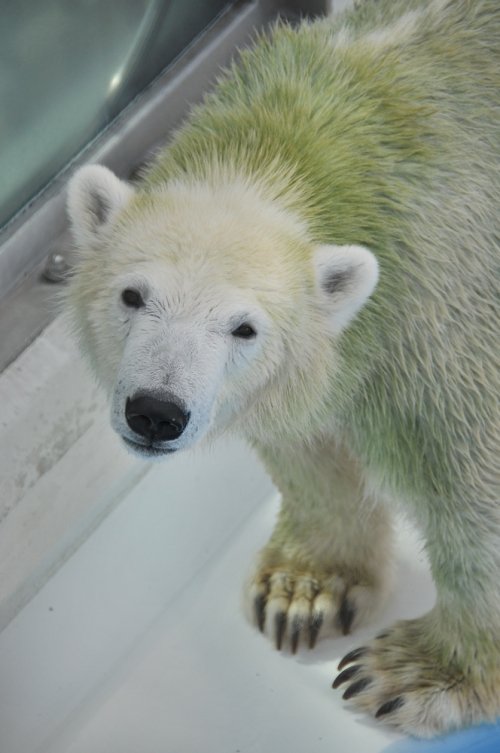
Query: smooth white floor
point(139, 645)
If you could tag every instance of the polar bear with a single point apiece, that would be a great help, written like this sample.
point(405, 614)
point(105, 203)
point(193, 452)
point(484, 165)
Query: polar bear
point(313, 262)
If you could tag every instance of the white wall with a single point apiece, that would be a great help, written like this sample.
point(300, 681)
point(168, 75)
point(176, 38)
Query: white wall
point(61, 466)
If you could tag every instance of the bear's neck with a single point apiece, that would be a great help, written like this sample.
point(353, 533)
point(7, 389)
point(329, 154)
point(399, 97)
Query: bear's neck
point(341, 147)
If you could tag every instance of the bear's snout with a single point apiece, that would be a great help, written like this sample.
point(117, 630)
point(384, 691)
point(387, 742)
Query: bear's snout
point(154, 419)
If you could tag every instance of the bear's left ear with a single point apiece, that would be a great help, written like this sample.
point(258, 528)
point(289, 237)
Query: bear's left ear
point(346, 276)
point(95, 195)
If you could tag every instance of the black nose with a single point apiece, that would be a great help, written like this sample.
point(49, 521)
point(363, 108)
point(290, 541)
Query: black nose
point(156, 420)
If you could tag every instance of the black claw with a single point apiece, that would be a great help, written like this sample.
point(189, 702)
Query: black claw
point(356, 688)
point(279, 626)
point(295, 635)
point(352, 656)
point(346, 675)
point(346, 615)
point(315, 624)
point(260, 611)
point(389, 707)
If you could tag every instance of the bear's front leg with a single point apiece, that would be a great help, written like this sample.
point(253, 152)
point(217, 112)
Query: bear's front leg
point(441, 671)
point(325, 568)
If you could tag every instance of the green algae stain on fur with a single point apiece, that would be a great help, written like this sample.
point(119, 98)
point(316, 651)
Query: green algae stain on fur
point(338, 192)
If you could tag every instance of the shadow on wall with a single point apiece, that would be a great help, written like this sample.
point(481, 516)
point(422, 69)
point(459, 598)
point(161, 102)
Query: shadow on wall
point(482, 739)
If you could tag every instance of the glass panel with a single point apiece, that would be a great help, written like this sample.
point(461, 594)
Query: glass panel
point(67, 68)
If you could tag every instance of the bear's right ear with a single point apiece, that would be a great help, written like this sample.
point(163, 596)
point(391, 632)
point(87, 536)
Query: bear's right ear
point(95, 195)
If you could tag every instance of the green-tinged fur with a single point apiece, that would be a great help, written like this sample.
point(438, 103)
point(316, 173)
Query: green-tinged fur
point(392, 144)
point(378, 128)
point(395, 145)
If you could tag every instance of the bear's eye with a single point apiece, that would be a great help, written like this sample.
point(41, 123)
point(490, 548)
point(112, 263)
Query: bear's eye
point(245, 331)
point(132, 298)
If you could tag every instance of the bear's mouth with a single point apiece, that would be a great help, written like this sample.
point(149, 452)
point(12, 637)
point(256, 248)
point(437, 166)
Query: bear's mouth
point(147, 450)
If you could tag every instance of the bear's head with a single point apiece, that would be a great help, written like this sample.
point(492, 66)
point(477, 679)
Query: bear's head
point(202, 306)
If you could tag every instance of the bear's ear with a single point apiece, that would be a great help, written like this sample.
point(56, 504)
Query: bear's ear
point(95, 195)
point(346, 276)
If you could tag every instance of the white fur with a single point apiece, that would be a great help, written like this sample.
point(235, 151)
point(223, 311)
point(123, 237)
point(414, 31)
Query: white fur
point(359, 268)
point(94, 187)
point(185, 350)
point(398, 32)
point(194, 280)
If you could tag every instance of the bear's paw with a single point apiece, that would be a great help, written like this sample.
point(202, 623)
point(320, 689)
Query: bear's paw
point(291, 605)
point(402, 679)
